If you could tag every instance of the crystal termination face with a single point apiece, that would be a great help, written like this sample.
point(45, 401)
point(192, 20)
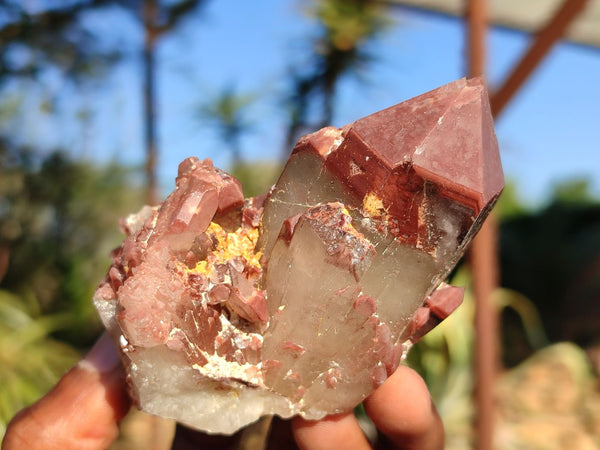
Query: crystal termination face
point(303, 301)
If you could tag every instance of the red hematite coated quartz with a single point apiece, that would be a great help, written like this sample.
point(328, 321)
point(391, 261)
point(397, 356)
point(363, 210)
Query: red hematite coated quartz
point(305, 300)
point(441, 144)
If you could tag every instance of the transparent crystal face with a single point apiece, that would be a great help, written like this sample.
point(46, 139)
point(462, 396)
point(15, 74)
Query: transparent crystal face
point(400, 275)
point(314, 323)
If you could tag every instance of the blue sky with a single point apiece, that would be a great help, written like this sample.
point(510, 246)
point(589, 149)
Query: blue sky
point(548, 133)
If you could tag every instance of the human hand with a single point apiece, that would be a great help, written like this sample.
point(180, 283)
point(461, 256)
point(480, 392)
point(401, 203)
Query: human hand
point(83, 411)
point(401, 409)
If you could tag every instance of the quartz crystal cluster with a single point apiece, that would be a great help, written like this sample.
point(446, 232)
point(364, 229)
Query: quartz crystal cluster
point(302, 301)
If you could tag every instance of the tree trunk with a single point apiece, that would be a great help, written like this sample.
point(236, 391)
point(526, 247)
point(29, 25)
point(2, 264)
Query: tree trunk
point(149, 14)
point(4, 259)
point(328, 101)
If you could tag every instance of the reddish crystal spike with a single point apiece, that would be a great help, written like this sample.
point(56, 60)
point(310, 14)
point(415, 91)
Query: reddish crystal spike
point(446, 136)
point(438, 145)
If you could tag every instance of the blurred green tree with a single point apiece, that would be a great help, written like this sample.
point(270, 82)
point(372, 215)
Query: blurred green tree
point(510, 204)
point(38, 39)
point(37, 36)
point(576, 191)
point(552, 256)
point(339, 49)
point(58, 223)
point(228, 113)
point(256, 176)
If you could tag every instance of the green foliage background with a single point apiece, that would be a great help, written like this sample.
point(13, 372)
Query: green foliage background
point(58, 224)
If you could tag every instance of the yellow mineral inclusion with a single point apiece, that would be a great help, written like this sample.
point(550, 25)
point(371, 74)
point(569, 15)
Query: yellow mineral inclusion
point(373, 206)
point(349, 227)
point(240, 243)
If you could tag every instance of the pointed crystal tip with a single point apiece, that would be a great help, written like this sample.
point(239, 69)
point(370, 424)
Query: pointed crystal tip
point(447, 137)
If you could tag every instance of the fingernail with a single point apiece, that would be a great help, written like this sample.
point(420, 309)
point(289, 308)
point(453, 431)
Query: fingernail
point(103, 356)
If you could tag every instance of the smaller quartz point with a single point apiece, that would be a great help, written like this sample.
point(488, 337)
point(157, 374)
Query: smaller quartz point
point(303, 301)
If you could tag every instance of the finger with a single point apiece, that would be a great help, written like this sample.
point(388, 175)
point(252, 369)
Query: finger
point(81, 412)
point(402, 409)
point(332, 432)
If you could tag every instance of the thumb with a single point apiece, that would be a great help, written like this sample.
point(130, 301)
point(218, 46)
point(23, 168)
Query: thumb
point(81, 412)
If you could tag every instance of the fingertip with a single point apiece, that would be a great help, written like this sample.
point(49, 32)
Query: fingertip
point(402, 409)
point(102, 357)
point(332, 432)
point(81, 412)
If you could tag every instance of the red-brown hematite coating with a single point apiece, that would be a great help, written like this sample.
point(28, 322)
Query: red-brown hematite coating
point(443, 139)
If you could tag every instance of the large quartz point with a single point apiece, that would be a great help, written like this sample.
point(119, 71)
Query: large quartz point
point(305, 300)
